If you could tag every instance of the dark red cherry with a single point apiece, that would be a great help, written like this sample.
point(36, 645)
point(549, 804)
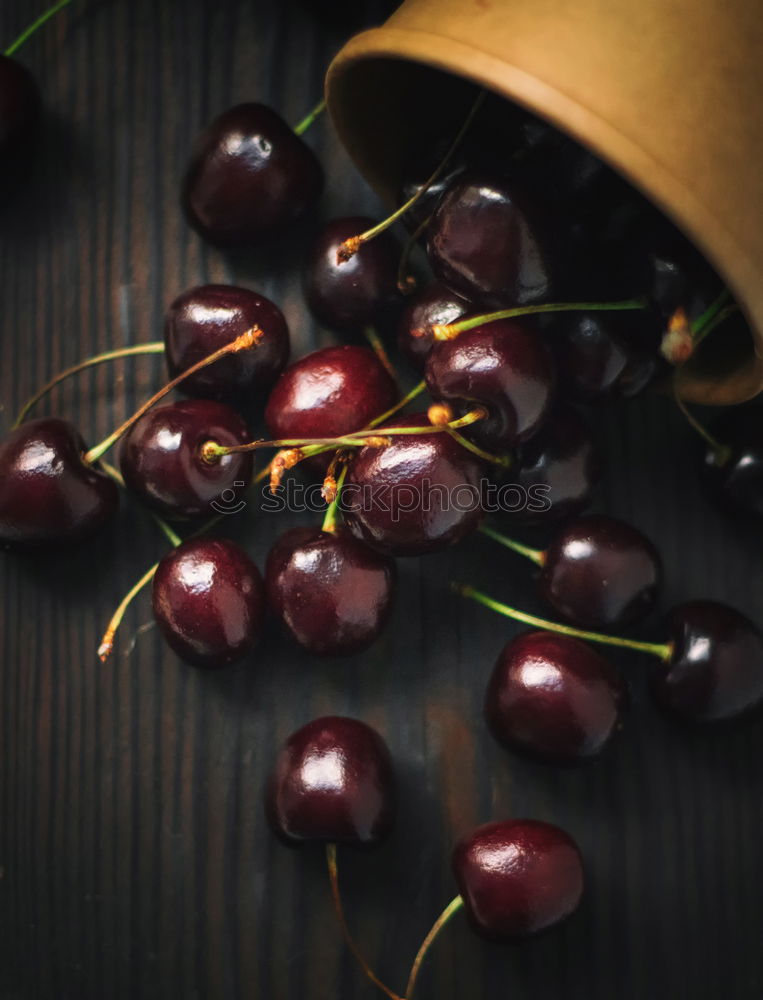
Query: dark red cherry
point(554, 697)
point(209, 602)
point(333, 781)
point(592, 357)
point(20, 107)
point(600, 572)
point(48, 495)
point(557, 471)
point(734, 474)
point(484, 243)
point(329, 393)
point(518, 877)
point(332, 593)
point(249, 176)
point(419, 494)
point(204, 319)
point(161, 458)
point(503, 366)
point(715, 671)
point(433, 305)
point(351, 294)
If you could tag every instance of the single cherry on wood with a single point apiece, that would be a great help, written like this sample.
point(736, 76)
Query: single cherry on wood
point(209, 602)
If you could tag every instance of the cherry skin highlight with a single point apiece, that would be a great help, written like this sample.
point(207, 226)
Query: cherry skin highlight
point(206, 318)
point(250, 175)
point(434, 305)
point(351, 294)
point(599, 572)
point(332, 593)
point(208, 601)
point(161, 458)
point(518, 877)
point(20, 111)
point(715, 671)
point(503, 366)
point(484, 244)
point(333, 781)
point(554, 698)
point(48, 495)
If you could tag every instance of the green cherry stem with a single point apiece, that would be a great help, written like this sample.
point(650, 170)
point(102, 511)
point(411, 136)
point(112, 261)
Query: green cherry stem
point(310, 117)
point(452, 908)
point(417, 390)
point(348, 938)
point(332, 517)
point(350, 247)
point(538, 556)
point(376, 345)
point(448, 331)
point(662, 650)
point(406, 283)
point(107, 642)
point(721, 451)
point(244, 342)
point(715, 322)
point(155, 347)
point(34, 26)
point(701, 323)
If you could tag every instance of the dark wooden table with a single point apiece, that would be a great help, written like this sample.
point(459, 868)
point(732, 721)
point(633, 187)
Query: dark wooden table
point(134, 859)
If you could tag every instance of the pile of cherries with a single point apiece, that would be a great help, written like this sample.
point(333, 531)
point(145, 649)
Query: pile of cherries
point(548, 282)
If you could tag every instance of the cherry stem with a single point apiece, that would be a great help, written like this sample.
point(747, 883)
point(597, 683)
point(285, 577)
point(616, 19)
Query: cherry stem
point(715, 322)
point(700, 325)
point(406, 283)
point(107, 643)
point(453, 907)
point(310, 117)
point(350, 247)
point(156, 347)
point(243, 342)
point(28, 32)
point(722, 453)
point(663, 651)
point(448, 331)
point(349, 940)
point(380, 351)
point(538, 556)
point(331, 520)
point(486, 456)
point(417, 390)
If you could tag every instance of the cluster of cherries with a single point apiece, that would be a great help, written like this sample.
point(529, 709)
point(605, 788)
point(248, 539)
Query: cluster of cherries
point(514, 219)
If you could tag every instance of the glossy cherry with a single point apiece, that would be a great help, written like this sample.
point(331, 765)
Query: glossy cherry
point(434, 305)
point(484, 243)
point(600, 572)
point(20, 110)
point(332, 593)
point(351, 294)
point(715, 671)
point(503, 366)
point(557, 470)
point(249, 176)
point(733, 473)
point(333, 781)
point(206, 318)
point(518, 877)
point(48, 494)
point(161, 458)
point(554, 697)
point(328, 393)
point(209, 602)
point(419, 494)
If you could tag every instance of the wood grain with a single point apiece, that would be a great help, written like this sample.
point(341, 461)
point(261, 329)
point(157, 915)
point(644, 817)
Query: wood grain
point(134, 858)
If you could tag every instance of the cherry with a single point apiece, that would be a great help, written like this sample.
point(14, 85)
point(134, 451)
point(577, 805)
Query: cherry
point(503, 366)
point(558, 469)
point(518, 877)
point(733, 464)
point(161, 458)
point(351, 294)
point(484, 243)
point(554, 697)
point(600, 572)
point(716, 667)
point(208, 601)
point(20, 112)
point(419, 494)
point(433, 305)
point(332, 593)
point(205, 318)
point(48, 493)
point(333, 781)
point(250, 175)
point(328, 393)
